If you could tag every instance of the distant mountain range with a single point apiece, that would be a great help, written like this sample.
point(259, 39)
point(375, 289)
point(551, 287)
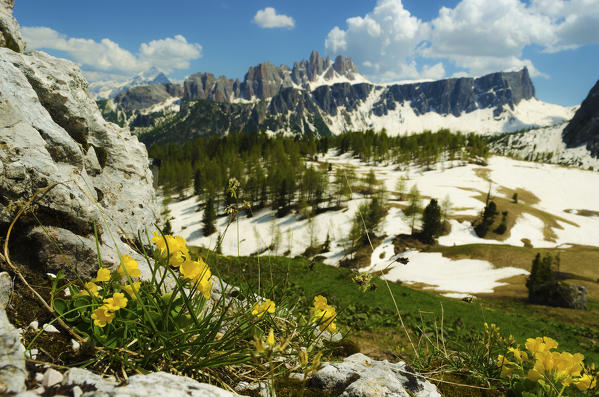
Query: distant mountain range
point(109, 89)
point(320, 96)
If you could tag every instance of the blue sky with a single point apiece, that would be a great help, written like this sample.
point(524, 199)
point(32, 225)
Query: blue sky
point(389, 40)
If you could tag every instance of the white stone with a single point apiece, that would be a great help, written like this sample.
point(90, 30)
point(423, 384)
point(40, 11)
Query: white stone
point(5, 289)
point(77, 392)
point(34, 325)
point(75, 345)
point(50, 328)
point(51, 377)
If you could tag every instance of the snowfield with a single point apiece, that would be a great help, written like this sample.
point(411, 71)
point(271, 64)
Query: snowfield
point(561, 191)
point(531, 113)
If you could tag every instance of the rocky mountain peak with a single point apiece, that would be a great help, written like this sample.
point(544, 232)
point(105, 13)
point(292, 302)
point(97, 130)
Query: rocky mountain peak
point(345, 66)
point(160, 79)
point(584, 126)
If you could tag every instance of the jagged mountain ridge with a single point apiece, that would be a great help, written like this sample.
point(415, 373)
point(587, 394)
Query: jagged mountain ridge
point(333, 108)
point(104, 90)
point(322, 97)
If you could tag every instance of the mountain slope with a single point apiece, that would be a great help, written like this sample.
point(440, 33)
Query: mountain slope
point(583, 129)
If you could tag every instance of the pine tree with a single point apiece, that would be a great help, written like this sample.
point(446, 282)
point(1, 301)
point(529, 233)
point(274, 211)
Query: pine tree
point(414, 207)
point(209, 217)
point(400, 187)
point(431, 222)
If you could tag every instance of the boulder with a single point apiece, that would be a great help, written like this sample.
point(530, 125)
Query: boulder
point(52, 132)
point(153, 384)
point(360, 376)
point(10, 34)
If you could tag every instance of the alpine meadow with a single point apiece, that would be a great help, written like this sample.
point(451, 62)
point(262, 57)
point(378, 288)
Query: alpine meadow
point(354, 199)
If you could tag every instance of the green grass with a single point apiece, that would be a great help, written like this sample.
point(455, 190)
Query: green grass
point(300, 280)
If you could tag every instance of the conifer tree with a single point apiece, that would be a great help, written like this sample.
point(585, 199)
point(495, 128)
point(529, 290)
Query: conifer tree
point(401, 186)
point(414, 206)
point(431, 222)
point(209, 217)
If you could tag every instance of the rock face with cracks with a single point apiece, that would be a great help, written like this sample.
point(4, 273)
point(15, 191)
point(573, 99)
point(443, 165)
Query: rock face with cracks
point(12, 358)
point(360, 376)
point(52, 134)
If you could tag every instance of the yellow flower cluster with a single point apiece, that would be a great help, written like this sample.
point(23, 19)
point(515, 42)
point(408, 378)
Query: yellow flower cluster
point(172, 246)
point(323, 314)
point(556, 367)
point(129, 267)
point(105, 314)
point(197, 272)
point(260, 308)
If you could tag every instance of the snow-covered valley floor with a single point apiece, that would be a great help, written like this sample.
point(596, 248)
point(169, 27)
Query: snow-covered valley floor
point(567, 194)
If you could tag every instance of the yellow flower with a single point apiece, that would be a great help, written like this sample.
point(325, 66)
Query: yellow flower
point(585, 382)
point(204, 286)
point(128, 288)
point(102, 316)
point(323, 314)
point(260, 308)
point(538, 345)
point(320, 302)
point(519, 355)
point(103, 274)
point(118, 301)
point(270, 339)
point(199, 273)
point(173, 246)
point(560, 367)
point(90, 288)
point(506, 370)
point(130, 265)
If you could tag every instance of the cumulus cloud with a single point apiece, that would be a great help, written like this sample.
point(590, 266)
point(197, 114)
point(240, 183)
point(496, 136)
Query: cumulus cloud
point(478, 36)
point(99, 59)
point(268, 18)
point(384, 40)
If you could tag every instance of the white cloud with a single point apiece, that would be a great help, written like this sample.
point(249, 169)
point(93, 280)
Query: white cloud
point(384, 41)
point(268, 18)
point(478, 36)
point(106, 58)
point(170, 53)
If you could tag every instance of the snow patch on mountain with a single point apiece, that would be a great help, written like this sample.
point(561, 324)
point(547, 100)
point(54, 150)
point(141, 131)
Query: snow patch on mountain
point(111, 88)
point(546, 145)
point(531, 113)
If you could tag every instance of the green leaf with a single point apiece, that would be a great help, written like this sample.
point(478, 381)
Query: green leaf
point(61, 306)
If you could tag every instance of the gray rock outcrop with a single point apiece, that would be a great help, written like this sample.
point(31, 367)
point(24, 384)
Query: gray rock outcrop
point(12, 351)
point(360, 376)
point(153, 384)
point(51, 131)
point(583, 129)
point(10, 34)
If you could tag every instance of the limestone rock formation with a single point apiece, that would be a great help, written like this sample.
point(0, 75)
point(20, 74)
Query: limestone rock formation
point(52, 134)
point(583, 129)
point(10, 34)
point(12, 358)
point(360, 376)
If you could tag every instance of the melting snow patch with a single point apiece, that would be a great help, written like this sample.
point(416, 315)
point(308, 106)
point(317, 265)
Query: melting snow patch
point(468, 276)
